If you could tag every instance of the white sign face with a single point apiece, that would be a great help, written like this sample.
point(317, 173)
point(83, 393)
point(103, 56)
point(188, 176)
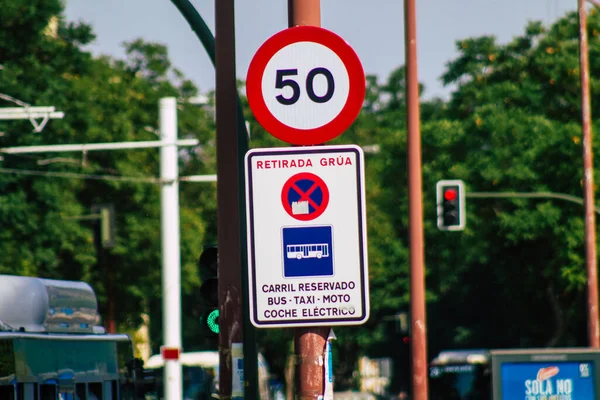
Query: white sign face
point(316, 86)
point(305, 85)
point(307, 245)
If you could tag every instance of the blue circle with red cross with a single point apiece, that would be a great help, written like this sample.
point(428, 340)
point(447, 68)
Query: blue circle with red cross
point(305, 196)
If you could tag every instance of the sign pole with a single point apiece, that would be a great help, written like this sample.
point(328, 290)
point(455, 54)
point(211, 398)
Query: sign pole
point(588, 183)
point(309, 342)
point(418, 331)
point(228, 214)
point(305, 205)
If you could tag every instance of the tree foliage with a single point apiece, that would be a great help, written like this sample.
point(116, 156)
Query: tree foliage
point(104, 100)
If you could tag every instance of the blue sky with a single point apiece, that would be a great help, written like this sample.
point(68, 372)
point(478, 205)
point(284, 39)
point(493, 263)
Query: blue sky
point(374, 28)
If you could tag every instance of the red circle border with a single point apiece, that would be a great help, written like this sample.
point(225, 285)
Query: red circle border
point(356, 77)
point(288, 185)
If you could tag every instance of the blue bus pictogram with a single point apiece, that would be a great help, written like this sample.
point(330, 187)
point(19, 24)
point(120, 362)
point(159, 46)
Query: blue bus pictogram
point(312, 250)
point(307, 251)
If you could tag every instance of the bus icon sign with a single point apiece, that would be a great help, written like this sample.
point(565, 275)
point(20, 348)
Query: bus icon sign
point(311, 250)
point(307, 251)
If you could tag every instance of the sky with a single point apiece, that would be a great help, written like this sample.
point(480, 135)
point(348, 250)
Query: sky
point(374, 28)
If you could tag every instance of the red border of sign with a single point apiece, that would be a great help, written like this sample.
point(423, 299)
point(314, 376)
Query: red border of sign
point(288, 185)
point(349, 112)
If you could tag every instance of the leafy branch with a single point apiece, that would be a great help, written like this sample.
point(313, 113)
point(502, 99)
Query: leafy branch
point(596, 3)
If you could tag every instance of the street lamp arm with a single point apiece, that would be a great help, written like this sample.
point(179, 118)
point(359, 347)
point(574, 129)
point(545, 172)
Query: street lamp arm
point(198, 25)
point(207, 39)
point(550, 195)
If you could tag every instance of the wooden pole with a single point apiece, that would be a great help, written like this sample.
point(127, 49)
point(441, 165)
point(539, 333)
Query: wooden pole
point(588, 181)
point(309, 342)
point(418, 332)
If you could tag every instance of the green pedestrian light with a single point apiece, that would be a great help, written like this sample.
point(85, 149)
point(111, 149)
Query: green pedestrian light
point(209, 274)
point(212, 320)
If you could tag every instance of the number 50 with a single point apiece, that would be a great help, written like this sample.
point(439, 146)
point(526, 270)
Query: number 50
point(281, 83)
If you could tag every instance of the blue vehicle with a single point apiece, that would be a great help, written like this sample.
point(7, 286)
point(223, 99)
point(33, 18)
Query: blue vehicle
point(460, 375)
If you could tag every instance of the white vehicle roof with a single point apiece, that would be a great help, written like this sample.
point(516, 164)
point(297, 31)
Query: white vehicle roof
point(38, 305)
point(204, 359)
point(471, 356)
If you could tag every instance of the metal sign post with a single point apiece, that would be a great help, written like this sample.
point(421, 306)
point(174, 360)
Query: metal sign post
point(306, 86)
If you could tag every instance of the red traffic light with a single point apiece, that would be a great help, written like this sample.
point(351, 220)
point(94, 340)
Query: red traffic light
point(450, 200)
point(450, 194)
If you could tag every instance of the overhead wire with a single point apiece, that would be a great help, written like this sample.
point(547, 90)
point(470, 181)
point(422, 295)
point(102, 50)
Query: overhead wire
point(14, 100)
point(43, 160)
point(72, 175)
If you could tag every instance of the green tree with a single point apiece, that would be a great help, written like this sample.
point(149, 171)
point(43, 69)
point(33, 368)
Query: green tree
point(104, 100)
point(512, 124)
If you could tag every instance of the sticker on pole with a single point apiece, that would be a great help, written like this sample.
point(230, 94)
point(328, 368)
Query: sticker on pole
point(305, 85)
point(305, 196)
point(307, 243)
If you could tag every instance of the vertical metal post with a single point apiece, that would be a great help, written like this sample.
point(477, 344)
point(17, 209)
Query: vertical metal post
point(110, 292)
point(251, 389)
point(250, 351)
point(171, 261)
point(309, 342)
point(417, 274)
point(304, 13)
point(230, 285)
point(588, 181)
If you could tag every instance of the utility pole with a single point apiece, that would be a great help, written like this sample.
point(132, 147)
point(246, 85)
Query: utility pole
point(207, 39)
point(588, 181)
point(309, 342)
point(171, 259)
point(231, 376)
point(418, 331)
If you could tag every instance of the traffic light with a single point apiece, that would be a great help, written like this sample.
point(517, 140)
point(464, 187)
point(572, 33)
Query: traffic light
point(209, 272)
point(451, 205)
point(105, 230)
point(399, 350)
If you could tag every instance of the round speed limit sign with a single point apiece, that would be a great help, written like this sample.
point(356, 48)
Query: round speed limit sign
point(305, 85)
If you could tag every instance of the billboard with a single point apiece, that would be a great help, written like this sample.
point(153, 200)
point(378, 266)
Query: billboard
point(546, 374)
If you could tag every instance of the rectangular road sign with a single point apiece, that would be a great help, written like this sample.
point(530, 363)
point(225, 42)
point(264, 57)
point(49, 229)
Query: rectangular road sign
point(307, 241)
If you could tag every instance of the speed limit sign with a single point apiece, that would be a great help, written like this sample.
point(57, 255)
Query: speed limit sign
point(305, 85)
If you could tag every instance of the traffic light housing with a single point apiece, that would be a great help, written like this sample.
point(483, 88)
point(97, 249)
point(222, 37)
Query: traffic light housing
point(451, 215)
point(209, 272)
point(398, 336)
point(105, 227)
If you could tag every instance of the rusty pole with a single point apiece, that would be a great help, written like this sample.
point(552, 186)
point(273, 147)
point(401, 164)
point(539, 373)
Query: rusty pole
point(304, 13)
point(309, 342)
point(415, 209)
point(588, 181)
point(228, 212)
